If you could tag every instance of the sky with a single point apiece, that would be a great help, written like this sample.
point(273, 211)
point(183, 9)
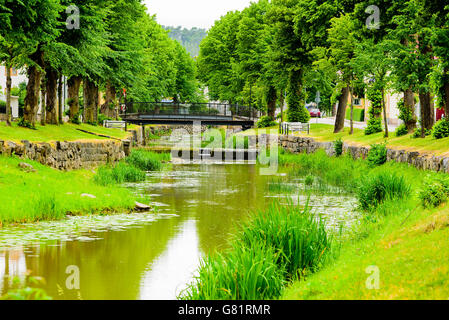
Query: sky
point(192, 13)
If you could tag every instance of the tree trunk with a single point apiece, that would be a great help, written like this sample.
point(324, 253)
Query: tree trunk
point(351, 131)
point(281, 102)
point(32, 96)
point(341, 111)
point(109, 107)
point(8, 94)
point(51, 110)
point(385, 113)
point(74, 84)
point(446, 100)
point(409, 103)
point(90, 101)
point(271, 102)
point(60, 100)
point(43, 98)
point(427, 112)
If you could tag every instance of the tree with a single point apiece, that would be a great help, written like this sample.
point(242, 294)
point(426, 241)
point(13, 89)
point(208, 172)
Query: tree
point(218, 57)
point(342, 46)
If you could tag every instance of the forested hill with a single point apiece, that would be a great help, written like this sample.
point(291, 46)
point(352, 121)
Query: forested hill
point(189, 38)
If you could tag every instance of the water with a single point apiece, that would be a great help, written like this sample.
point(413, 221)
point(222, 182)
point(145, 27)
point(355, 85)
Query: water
point(152, 255)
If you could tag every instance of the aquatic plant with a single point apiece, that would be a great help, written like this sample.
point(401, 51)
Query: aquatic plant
point(119, 173)
point(381, 186)
point(147, 160)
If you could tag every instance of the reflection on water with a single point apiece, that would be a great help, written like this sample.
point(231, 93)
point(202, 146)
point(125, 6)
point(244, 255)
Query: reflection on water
point(149, 256)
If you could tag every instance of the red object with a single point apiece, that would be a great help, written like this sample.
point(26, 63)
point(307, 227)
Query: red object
point(440, 114)
point(124, 92)
point(315, 113)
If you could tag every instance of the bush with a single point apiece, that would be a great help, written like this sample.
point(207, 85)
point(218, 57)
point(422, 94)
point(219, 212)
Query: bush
point(401, 131)
point(338, 146)
point(381, 186)
point(441, 129)
point(265, 122)
point(101, 118)
point(377, 155)
point(417, 133)
point(373, 126)
point(25, 124)
point(435, 191)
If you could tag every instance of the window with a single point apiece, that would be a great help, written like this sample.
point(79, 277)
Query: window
point(357, 102)
point(14, 72)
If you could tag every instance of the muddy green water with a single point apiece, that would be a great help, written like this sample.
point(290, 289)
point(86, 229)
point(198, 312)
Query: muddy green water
point(152, 256)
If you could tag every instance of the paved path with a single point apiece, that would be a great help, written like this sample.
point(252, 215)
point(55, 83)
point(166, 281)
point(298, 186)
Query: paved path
point(357, 125)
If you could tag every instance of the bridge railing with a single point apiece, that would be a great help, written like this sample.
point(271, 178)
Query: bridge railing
point(219, 110)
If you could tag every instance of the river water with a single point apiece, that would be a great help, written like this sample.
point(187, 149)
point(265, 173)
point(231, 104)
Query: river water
point(153, 255)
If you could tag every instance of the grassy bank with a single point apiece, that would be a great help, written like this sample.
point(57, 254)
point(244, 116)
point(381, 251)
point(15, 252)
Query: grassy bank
point(66, 132)
point(49, 194)
point(397, 235)
point(324, 132)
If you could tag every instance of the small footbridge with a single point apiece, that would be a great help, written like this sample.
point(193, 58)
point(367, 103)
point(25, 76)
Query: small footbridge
point(170, 113)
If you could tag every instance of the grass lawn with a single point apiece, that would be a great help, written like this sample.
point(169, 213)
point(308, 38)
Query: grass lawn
point(66, 132)
point(324, 132)
point(412, 259)
point(50, 194)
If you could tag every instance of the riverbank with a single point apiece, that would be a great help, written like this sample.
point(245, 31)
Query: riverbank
point(31, 192)
point(400, 238)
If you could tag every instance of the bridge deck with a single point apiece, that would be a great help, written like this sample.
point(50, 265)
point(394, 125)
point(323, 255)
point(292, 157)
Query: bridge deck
point(142, 113)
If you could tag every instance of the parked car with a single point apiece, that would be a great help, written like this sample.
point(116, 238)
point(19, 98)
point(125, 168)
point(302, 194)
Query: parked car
point(315, 113)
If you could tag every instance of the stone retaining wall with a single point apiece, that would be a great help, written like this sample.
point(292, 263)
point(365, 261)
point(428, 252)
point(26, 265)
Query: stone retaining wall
point(420, 161)
point(72, 155)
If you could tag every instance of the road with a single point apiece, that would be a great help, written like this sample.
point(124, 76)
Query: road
point(357, 125)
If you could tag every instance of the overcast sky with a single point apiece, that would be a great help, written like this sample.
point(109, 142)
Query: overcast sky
point(192, 13)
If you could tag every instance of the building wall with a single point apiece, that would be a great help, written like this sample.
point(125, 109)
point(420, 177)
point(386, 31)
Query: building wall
point(17, 76)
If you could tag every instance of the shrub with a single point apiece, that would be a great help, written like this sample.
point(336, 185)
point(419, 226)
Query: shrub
point(435, 191)
point(377, 155)
point(417, 133)
point(381, 186)
point(338, 146)
point(373, 126)
point(265, 122)
point(441, 129)
point(401, 130)
point(374, 94)
point(101, 118)
point(25, 123)
point(147, 160)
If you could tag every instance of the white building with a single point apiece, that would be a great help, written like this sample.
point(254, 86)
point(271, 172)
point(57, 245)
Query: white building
point(17, 77)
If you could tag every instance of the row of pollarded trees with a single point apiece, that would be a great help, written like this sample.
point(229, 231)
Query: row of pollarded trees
point(101, 45)
point(295, 48)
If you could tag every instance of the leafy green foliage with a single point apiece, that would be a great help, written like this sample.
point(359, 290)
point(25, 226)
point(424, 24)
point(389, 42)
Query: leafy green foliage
point(265, 122)
point(359, 114)
point(375, 122)
point(338, 147)
point(435, 191)
point(147, 160)
point(381, 186)
point(401, 130)
point(417, 133)
point(377, 155)
point(190, 39)
point(441, 129)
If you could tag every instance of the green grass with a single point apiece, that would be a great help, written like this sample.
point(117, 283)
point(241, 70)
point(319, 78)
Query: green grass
point(324, 132)
point(271, 248)
point(401, 238)
point(147, 160)
point(49, 133)
point(49, 194)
